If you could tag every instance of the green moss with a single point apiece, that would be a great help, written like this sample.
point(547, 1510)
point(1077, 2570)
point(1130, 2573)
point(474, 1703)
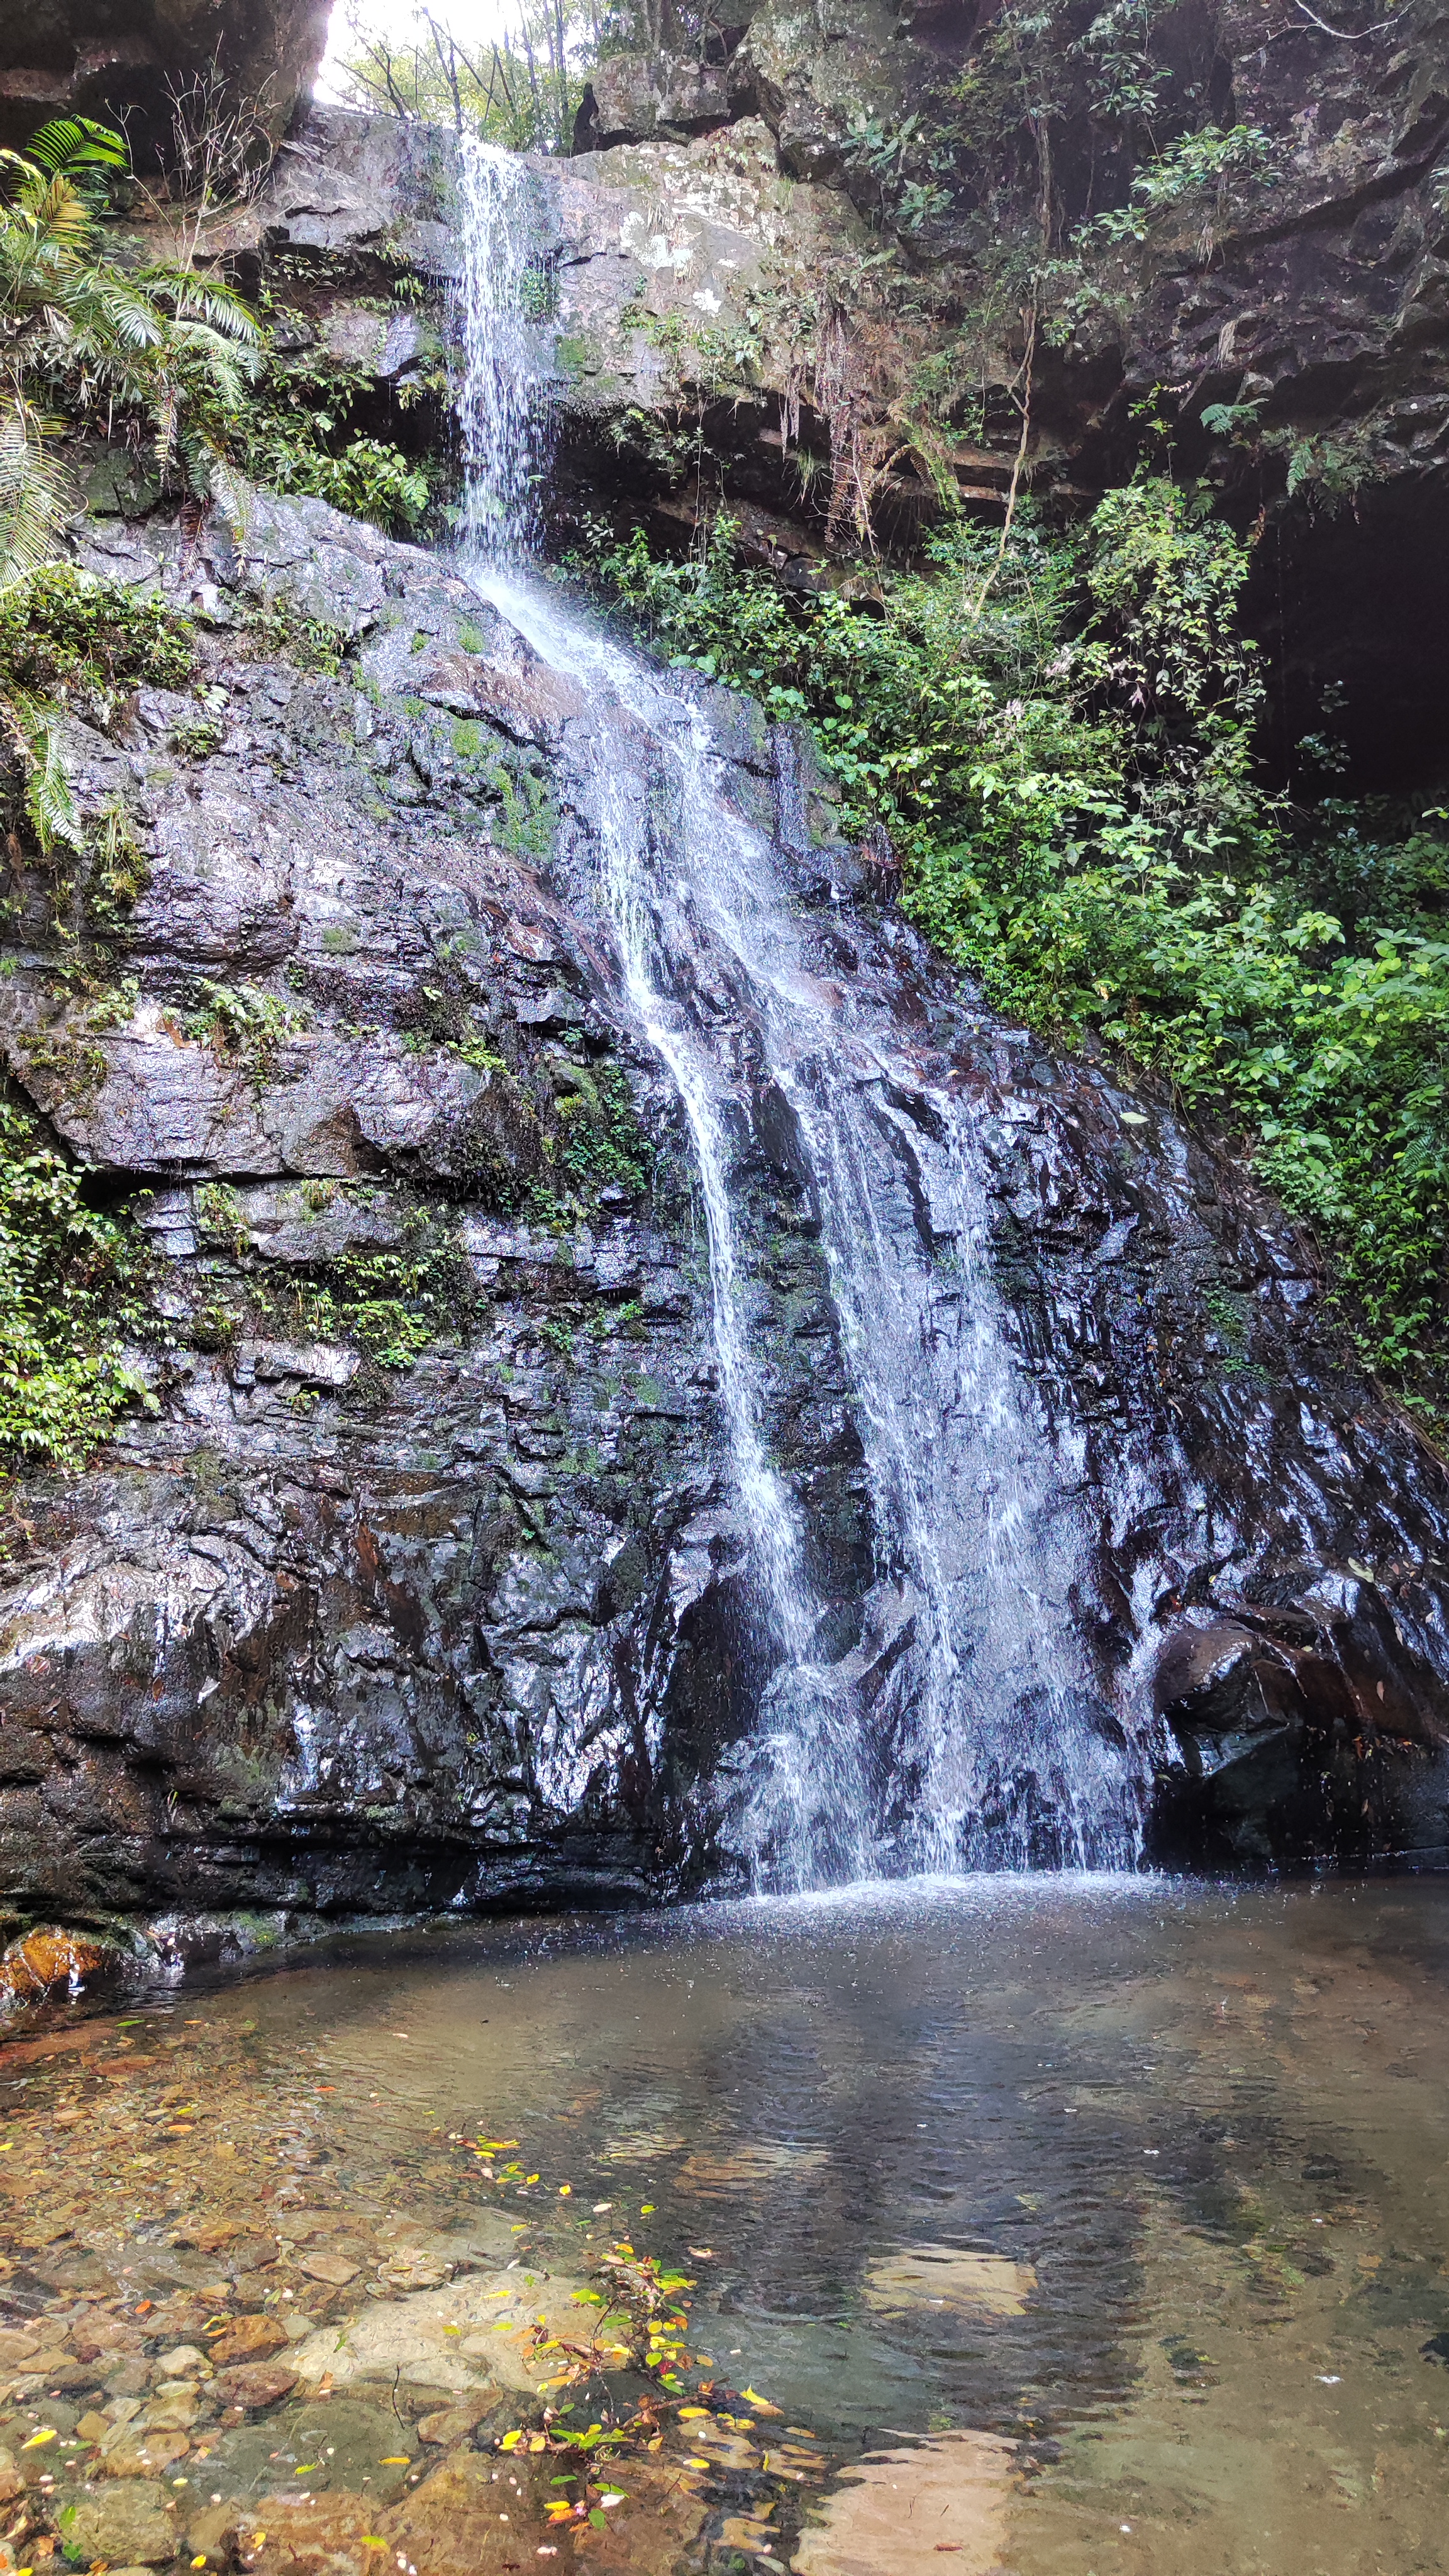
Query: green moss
point(528, 818)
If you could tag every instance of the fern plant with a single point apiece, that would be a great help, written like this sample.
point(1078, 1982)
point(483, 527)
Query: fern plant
point(166, 345)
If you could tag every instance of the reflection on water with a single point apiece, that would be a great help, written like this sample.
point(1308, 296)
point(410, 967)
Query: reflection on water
point(1068, 2225)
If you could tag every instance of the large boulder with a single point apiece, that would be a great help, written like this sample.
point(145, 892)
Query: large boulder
point(1306, 1712)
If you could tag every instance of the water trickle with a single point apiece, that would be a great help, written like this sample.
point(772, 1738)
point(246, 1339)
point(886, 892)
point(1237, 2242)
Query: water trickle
point(961, 1730)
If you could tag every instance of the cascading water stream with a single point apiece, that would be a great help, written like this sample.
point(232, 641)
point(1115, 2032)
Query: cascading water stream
point(500, 397)
point(631, 890)
point(960, 1732)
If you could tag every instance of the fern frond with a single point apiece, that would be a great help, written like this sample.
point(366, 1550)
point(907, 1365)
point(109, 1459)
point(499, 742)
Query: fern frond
point(195, 298)
point(63, 213)
point(77, 142)
point(233, 495)
point(35, 491)
point(35, 744)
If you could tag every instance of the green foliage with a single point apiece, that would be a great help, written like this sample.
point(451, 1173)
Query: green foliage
point(1197, 169)
point(277, 626)
point(71, 1284)
point(604, 1145)
point(1327, 470)
point(65, 635)
point(1063, 756)
point(297, 436)
point(520, 89)
point(909, 198)
point(163, 348)
point(244, 1024)
point(120, 870)
point(391, 1304)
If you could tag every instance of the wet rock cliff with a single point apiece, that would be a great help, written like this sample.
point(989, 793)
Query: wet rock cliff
point(374, 1614)
point(420, 1578)
point(350, 1623)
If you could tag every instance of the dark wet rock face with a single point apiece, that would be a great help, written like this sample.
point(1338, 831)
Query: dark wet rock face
point(361, 1623)
point(330, 1632)
point(1314, 1719)
point(115, 58)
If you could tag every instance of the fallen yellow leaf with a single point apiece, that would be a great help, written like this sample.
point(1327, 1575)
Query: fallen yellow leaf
point(692, 2414)
point(752, 2395)
point(45, 2434)
point(398, 2460)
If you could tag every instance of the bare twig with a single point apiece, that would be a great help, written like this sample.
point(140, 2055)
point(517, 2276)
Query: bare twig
point(1023, 402)
point(1342, 33)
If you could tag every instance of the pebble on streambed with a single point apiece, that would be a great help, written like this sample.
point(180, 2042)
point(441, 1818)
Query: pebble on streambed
point(222, 2347)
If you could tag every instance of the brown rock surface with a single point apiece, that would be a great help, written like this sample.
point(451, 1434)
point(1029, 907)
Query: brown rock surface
point(333, 2268)
point(248, 2339)
point(255, 2385)
point(452, 2423)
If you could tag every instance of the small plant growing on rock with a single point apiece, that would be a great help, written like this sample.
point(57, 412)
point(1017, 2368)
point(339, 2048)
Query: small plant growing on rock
point(72, 1286)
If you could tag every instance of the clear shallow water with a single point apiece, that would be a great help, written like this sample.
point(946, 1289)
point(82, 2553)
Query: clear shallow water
point(1109, 2217)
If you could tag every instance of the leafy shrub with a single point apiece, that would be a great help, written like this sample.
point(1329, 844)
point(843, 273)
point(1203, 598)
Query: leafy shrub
point(298, 434)
point(1063, 752)
point(162, 349)
point(66, 635)
point(63, 630)
point(1197, 166)
point(367, 477)
point(71, 1283)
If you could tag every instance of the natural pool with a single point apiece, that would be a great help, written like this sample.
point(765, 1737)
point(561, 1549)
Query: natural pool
point(1069, 2225)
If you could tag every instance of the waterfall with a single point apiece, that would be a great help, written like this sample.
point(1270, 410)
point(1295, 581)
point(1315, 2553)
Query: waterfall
point(500, 392)
point(962, 1731)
